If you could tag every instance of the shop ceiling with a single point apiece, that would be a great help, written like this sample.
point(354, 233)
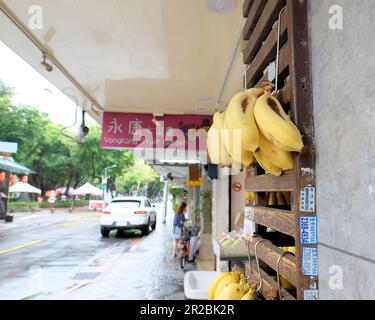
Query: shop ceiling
point(159, 56)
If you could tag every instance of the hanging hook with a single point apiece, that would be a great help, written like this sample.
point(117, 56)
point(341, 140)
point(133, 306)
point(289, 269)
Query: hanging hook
point(250, 262)
point(278, 51)
point(257, 262)
point(278, 272)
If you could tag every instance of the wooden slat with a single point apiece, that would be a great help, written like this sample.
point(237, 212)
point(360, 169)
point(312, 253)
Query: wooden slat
point(284, 60)
point(303, 116)
point(266, 183)
point(269, 254)
point(267, 52)
point(246, 7)
point(269, 285)
point(263, 27)
point(284, 95)
point(253, 17)
point(279, 220)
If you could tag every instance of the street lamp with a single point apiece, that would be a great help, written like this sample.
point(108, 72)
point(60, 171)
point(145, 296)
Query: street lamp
point(105, 179)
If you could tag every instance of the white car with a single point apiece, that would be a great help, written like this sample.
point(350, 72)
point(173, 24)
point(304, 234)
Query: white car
point(128, 213)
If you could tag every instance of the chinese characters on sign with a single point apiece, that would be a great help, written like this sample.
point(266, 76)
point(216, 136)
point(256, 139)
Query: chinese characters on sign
point(309, 230)
point(307, 199)
point(310, 261)
point(129, 130)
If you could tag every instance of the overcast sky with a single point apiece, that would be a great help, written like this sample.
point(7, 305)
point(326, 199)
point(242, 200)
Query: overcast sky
point(33, 89)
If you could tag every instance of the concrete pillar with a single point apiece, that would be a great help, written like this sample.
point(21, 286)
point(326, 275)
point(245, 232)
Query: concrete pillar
point(206, 250)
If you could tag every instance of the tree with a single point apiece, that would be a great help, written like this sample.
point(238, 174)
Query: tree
point(57, 159)
point(90, 160)
point(139, 176)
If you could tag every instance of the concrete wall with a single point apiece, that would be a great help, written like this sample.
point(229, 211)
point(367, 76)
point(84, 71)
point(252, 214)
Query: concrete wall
point(344, 103)
point(238, 201)
point(220, 203)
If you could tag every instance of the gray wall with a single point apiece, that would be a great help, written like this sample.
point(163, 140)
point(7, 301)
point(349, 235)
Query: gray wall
point(344, 103)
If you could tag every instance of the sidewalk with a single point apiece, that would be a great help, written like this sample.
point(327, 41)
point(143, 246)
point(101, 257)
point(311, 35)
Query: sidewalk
point(146, 271)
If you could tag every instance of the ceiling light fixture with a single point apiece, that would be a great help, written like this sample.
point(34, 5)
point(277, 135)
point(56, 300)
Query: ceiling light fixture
point(221, 6)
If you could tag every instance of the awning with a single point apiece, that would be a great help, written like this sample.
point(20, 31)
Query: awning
point(88, 189)
point(24, 187)
point(8, 164)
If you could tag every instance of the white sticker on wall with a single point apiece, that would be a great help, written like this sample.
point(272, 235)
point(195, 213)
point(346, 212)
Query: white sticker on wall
point(249, 225)
point(311, 295)
point(307, 199)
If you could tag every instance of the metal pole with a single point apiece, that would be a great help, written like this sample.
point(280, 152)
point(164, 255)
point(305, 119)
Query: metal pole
point(165, 196)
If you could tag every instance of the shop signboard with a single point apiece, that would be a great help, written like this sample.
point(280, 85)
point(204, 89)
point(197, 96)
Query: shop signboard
point(184, 134)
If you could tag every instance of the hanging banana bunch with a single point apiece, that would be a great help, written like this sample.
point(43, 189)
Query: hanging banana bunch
point(255, 126)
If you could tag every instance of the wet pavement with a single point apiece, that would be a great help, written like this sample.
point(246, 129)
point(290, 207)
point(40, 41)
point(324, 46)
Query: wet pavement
point(63, 256)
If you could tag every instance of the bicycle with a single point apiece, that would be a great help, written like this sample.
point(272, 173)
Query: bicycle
point(184, 245)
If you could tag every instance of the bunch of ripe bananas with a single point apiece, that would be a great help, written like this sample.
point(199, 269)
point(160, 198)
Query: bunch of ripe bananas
point(231, 286)
point(255, 126)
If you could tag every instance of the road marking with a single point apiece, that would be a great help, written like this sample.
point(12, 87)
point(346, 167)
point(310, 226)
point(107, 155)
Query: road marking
point(34, 216)
point(21, 247)
point(67, 224)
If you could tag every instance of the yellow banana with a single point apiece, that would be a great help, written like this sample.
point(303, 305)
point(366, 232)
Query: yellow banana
point(234, 291)
point(239, 117)
point(275, 124)
point(215, 146)
point(251, 295)
point(258, 92)
point(227, 280)
point(266, 164)
point(250, 197)
point(278, 157)
point(287, 197)
point(272, 199)
point(280, 199)
point(214, 284)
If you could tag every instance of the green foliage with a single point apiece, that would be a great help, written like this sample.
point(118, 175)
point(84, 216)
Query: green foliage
point(57, 160)
point(175, 192)
point(65, 204)
point(90, 160)
point(140, 179)
point(23, 204)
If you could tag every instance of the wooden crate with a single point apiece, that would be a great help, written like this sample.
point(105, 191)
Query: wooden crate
point(295, 94)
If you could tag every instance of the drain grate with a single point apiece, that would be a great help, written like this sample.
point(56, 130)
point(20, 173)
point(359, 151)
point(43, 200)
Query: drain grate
point(86, 275)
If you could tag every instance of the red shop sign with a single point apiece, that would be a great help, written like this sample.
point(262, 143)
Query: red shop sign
point(129, 130)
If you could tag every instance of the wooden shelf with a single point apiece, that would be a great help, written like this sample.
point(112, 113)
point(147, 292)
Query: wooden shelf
point(280, 220)
point(246, 7)
point(269, 286)
point(269, 183)
point(295, 94)
point(263, 27)
point(269, 254)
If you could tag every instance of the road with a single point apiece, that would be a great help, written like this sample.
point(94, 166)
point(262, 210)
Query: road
point(63, 256)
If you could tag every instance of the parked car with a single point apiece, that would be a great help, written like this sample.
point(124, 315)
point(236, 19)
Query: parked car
point(128, 213)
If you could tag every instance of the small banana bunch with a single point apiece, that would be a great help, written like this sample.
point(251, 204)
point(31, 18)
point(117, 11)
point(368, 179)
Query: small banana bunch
point(278, 198)
point(231, 286)
point(254, 125)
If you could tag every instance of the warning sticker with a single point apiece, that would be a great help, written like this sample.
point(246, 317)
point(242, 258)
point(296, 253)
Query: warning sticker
point(307, 199)
point(309, 230)
point(310, 261)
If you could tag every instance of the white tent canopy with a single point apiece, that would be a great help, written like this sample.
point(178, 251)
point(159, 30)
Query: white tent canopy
point(88, 189)
point(23, 187)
